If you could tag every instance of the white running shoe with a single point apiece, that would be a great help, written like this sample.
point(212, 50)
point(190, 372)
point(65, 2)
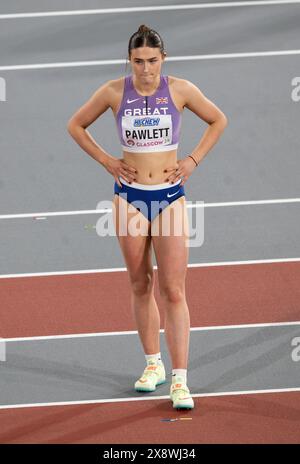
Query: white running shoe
point(154, 374)
point(180, 394)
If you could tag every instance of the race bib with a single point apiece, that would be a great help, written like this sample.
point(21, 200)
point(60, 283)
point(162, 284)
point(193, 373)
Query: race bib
point(147, 131)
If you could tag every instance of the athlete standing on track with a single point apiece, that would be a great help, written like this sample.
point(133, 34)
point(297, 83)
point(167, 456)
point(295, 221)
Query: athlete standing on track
point(147, 106)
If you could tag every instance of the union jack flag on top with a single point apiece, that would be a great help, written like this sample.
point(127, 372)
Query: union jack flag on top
point(161, 100)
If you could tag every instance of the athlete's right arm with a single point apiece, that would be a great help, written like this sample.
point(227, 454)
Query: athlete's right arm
point(97, 104)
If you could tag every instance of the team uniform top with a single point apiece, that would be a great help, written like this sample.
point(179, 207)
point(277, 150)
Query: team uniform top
point(148, 123)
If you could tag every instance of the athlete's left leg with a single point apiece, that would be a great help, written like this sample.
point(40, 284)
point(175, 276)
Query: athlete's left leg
point(169, 232)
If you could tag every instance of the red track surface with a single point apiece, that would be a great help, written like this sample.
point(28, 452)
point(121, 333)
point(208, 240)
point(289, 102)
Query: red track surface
point(223, 295)
point(84, 303)
point(262, 418)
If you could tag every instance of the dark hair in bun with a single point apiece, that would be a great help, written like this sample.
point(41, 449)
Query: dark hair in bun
point(143, 28)
point(145, 37)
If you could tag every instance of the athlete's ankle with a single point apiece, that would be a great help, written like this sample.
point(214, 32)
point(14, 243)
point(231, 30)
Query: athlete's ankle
point(179, 373)
point(156, 356)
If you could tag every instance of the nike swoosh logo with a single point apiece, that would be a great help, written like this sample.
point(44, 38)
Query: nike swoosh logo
point(172, 194)
point(131, 101)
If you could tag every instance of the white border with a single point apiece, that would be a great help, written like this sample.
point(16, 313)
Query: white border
point(147, 186)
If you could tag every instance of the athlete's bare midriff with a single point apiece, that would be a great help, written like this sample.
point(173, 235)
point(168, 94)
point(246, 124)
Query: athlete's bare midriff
point(150, 166)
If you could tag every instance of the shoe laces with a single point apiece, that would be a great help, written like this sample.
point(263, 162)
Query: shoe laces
point(181, 391)
point(149, 372)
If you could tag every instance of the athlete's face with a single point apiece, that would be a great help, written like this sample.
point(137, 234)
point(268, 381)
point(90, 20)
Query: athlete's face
point(146, 63)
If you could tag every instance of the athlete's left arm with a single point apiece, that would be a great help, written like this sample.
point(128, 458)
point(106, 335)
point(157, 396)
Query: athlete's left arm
point(199, 104)
point(193, 99)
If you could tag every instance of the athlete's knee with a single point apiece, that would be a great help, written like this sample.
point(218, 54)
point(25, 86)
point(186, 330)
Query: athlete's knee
point(143, 284)
point(173, 293)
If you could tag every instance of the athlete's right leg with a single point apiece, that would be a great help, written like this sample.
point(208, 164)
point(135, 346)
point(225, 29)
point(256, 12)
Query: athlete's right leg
point(137, 254)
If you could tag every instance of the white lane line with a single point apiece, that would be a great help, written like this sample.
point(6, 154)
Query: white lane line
point(149, 398)
point(245, 203)
point(202, 204)
point(68, 64)
point(55, 213)
point(123, 269)
point(147, 9)
point(135, 332)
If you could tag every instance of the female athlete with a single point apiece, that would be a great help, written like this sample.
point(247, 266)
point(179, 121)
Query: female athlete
point(149, 196)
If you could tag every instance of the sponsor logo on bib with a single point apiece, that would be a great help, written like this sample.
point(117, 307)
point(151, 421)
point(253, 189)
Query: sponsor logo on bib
point(146, 122)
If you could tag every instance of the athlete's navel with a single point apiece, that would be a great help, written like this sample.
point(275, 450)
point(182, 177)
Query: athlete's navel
point(150, 175)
